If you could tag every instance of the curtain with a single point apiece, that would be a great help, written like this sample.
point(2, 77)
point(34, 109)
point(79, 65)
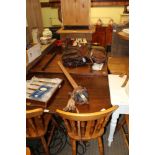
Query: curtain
point(34, 16)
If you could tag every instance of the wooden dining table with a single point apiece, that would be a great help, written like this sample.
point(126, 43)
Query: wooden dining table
point(96, 83)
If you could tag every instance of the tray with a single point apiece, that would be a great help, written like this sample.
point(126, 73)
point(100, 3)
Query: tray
point(40, 90)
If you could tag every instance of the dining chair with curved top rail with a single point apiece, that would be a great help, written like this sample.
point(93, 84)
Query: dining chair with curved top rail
point(37, 124)
point(28, 152)
point(86, 126)
point(124, 121)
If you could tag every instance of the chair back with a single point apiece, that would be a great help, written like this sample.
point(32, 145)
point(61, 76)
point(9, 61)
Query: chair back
point(86, 126)
point(28, 152)
point(35, 123)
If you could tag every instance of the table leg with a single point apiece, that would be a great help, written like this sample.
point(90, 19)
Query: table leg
point(113, 123)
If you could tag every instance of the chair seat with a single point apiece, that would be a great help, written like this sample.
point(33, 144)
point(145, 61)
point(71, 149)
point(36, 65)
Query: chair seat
point(86, 126)
point(118, 65)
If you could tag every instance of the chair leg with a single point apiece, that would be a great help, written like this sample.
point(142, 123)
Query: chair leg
point(50, 136)
point(120, 124)
point(45, 145)
point(126, 118)
point(73, 143)
point(100, 145)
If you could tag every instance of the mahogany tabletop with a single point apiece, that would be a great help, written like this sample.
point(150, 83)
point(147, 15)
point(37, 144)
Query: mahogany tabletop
point(54, 68)
point(98, 91)
point(96, 82)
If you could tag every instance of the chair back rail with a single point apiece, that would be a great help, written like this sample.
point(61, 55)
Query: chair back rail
point(86, 126)
point(36, 126)
point(35, 123)
point(34, 112)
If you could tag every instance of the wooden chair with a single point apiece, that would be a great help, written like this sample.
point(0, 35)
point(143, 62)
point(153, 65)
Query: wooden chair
point(86, 126)
point(118, 65)
point(28, 152)
point(37, 124)
point(124, 121)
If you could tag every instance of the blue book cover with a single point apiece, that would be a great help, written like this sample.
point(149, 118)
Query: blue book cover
point(40, 92)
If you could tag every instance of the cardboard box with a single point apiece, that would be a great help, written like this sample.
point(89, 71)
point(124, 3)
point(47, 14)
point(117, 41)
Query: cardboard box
point(33, 53)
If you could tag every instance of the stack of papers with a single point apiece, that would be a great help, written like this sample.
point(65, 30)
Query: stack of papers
point(97, 66)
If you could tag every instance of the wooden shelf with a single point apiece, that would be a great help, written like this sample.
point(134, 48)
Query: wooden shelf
point(60, 31)
point(124, 14)
point(56, 3)
point(76, 33)
point(100, 4)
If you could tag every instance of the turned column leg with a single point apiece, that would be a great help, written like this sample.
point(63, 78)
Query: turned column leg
point(100, 145)
point(113, 123)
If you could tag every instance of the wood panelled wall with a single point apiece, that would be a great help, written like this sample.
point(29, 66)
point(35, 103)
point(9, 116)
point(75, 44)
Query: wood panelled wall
point(76, 12)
